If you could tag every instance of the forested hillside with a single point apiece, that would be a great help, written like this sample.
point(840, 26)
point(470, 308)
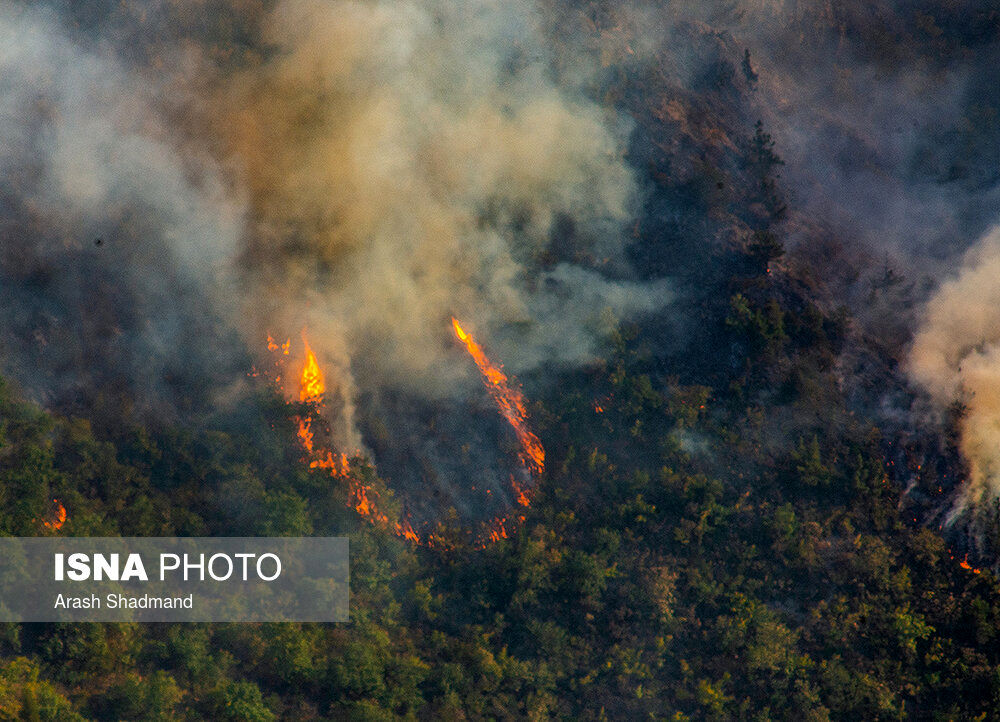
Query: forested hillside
point(680, 560)
point(743, 511)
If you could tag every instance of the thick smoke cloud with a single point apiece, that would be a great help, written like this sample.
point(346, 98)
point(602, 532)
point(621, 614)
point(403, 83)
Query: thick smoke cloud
point(887, 128)
point(885, 116)
point(412, 161)
point(956, 358)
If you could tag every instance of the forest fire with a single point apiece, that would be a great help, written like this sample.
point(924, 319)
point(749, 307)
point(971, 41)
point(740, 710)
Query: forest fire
point(365, 499)
point(305, 434)
point(311, 390)
point(335, 464)
point(968, 567)
point(57, 517)
point(646, 354)
point(509, 401)
point(405, 530)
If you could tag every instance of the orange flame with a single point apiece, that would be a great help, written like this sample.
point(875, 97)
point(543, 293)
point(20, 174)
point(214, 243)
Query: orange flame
point(336, 465)
point(405, 530)
point(364, 499)
point(522, 498)
point(965, 565)
point(305, 434)
point(58, 516)
point(509, 401)
point(311, 388)
point(311, 384)
point(272, 345)
point(499, 531)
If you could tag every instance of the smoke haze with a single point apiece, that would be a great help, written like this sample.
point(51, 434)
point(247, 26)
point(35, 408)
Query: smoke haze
point(182, 179)
point(358, 174)
point(111, 235)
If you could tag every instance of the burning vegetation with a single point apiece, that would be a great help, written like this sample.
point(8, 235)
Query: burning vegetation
point(364, 498)
point(509, 401)
point(762, 555)
point(56, 517)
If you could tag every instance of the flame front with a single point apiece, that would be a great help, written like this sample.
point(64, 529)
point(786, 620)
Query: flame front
point(312, 386)
point(509, 401)
point(365, 499)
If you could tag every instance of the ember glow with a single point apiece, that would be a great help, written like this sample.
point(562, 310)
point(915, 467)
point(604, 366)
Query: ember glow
point(305, 434)
point(272, 345)
point(968, 567)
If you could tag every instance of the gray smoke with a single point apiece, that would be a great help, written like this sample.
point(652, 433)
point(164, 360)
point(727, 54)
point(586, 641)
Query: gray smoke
point(353, 172)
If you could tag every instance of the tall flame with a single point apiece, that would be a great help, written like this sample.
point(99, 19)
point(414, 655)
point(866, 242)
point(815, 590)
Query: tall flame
point(311, 383)
point(509, 401)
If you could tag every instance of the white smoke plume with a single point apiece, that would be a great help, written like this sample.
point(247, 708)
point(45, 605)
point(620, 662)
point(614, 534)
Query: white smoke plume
point(82, 131)
point(956, 358)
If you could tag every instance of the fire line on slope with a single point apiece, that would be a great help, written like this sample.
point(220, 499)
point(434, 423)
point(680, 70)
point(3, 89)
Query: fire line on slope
point(364, 499)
